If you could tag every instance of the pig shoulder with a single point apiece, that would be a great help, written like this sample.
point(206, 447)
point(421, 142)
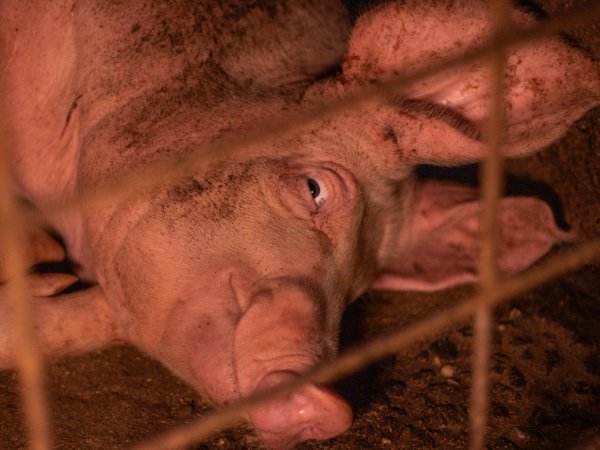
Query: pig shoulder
point(128, 49)
point(286, 42)
point(202, 65)
point(37, 68)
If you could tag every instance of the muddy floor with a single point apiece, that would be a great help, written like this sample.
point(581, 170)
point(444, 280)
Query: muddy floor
point(546, 355)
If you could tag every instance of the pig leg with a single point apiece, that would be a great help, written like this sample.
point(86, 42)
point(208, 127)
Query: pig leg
point(64, 324)
point(40, 247)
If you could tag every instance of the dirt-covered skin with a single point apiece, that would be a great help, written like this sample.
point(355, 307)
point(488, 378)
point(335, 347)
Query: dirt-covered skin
point(546, 378)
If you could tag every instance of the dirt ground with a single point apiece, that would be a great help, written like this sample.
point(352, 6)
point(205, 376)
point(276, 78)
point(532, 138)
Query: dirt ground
point(546, 355)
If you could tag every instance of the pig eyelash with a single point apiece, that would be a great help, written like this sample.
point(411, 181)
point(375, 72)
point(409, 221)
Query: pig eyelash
point(442, 113)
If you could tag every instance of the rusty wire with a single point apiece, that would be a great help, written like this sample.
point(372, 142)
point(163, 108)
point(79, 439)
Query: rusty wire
point(28, 356)
point(491, 191)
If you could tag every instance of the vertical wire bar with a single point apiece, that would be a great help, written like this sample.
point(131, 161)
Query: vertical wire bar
point(26, 352)
point(491, 188)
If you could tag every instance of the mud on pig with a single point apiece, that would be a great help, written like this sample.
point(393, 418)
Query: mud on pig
point(236, 277)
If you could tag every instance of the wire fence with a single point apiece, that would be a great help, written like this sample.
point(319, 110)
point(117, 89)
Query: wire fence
point(15, 216)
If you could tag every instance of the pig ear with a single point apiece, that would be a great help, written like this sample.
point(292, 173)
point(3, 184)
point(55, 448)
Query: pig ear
point(439, 247)
point(440, 119)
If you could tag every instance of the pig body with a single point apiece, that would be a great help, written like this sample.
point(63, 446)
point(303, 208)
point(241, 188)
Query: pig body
point(236, 277)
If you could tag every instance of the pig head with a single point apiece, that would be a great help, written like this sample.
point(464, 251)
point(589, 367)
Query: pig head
point(236, 277)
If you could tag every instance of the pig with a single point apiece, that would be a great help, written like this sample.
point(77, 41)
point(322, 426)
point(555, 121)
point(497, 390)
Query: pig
point(235, 276)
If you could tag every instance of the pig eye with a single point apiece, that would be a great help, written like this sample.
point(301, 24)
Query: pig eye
point(318, 191)
point(314, 188)
point(310, 190)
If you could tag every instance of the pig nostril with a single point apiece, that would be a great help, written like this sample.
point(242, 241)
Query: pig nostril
point(314, 433)
point(310, 413)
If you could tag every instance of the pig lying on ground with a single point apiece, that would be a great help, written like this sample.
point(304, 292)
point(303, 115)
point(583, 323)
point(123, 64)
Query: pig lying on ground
point(236, 277)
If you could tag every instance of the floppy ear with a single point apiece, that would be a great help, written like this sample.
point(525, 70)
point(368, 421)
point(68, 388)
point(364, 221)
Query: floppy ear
point(440, 119)
point(439, 246)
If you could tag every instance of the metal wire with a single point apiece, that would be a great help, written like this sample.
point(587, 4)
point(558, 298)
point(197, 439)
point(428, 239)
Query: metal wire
point(491, 191)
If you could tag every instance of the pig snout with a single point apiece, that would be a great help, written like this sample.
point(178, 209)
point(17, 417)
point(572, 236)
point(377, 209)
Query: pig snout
point(309, 413)
point(283, 333)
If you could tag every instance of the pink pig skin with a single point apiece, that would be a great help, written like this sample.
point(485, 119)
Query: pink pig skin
point(236, 277)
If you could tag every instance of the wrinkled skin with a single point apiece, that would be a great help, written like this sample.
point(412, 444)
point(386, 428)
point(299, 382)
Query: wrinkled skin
point(236, 277)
